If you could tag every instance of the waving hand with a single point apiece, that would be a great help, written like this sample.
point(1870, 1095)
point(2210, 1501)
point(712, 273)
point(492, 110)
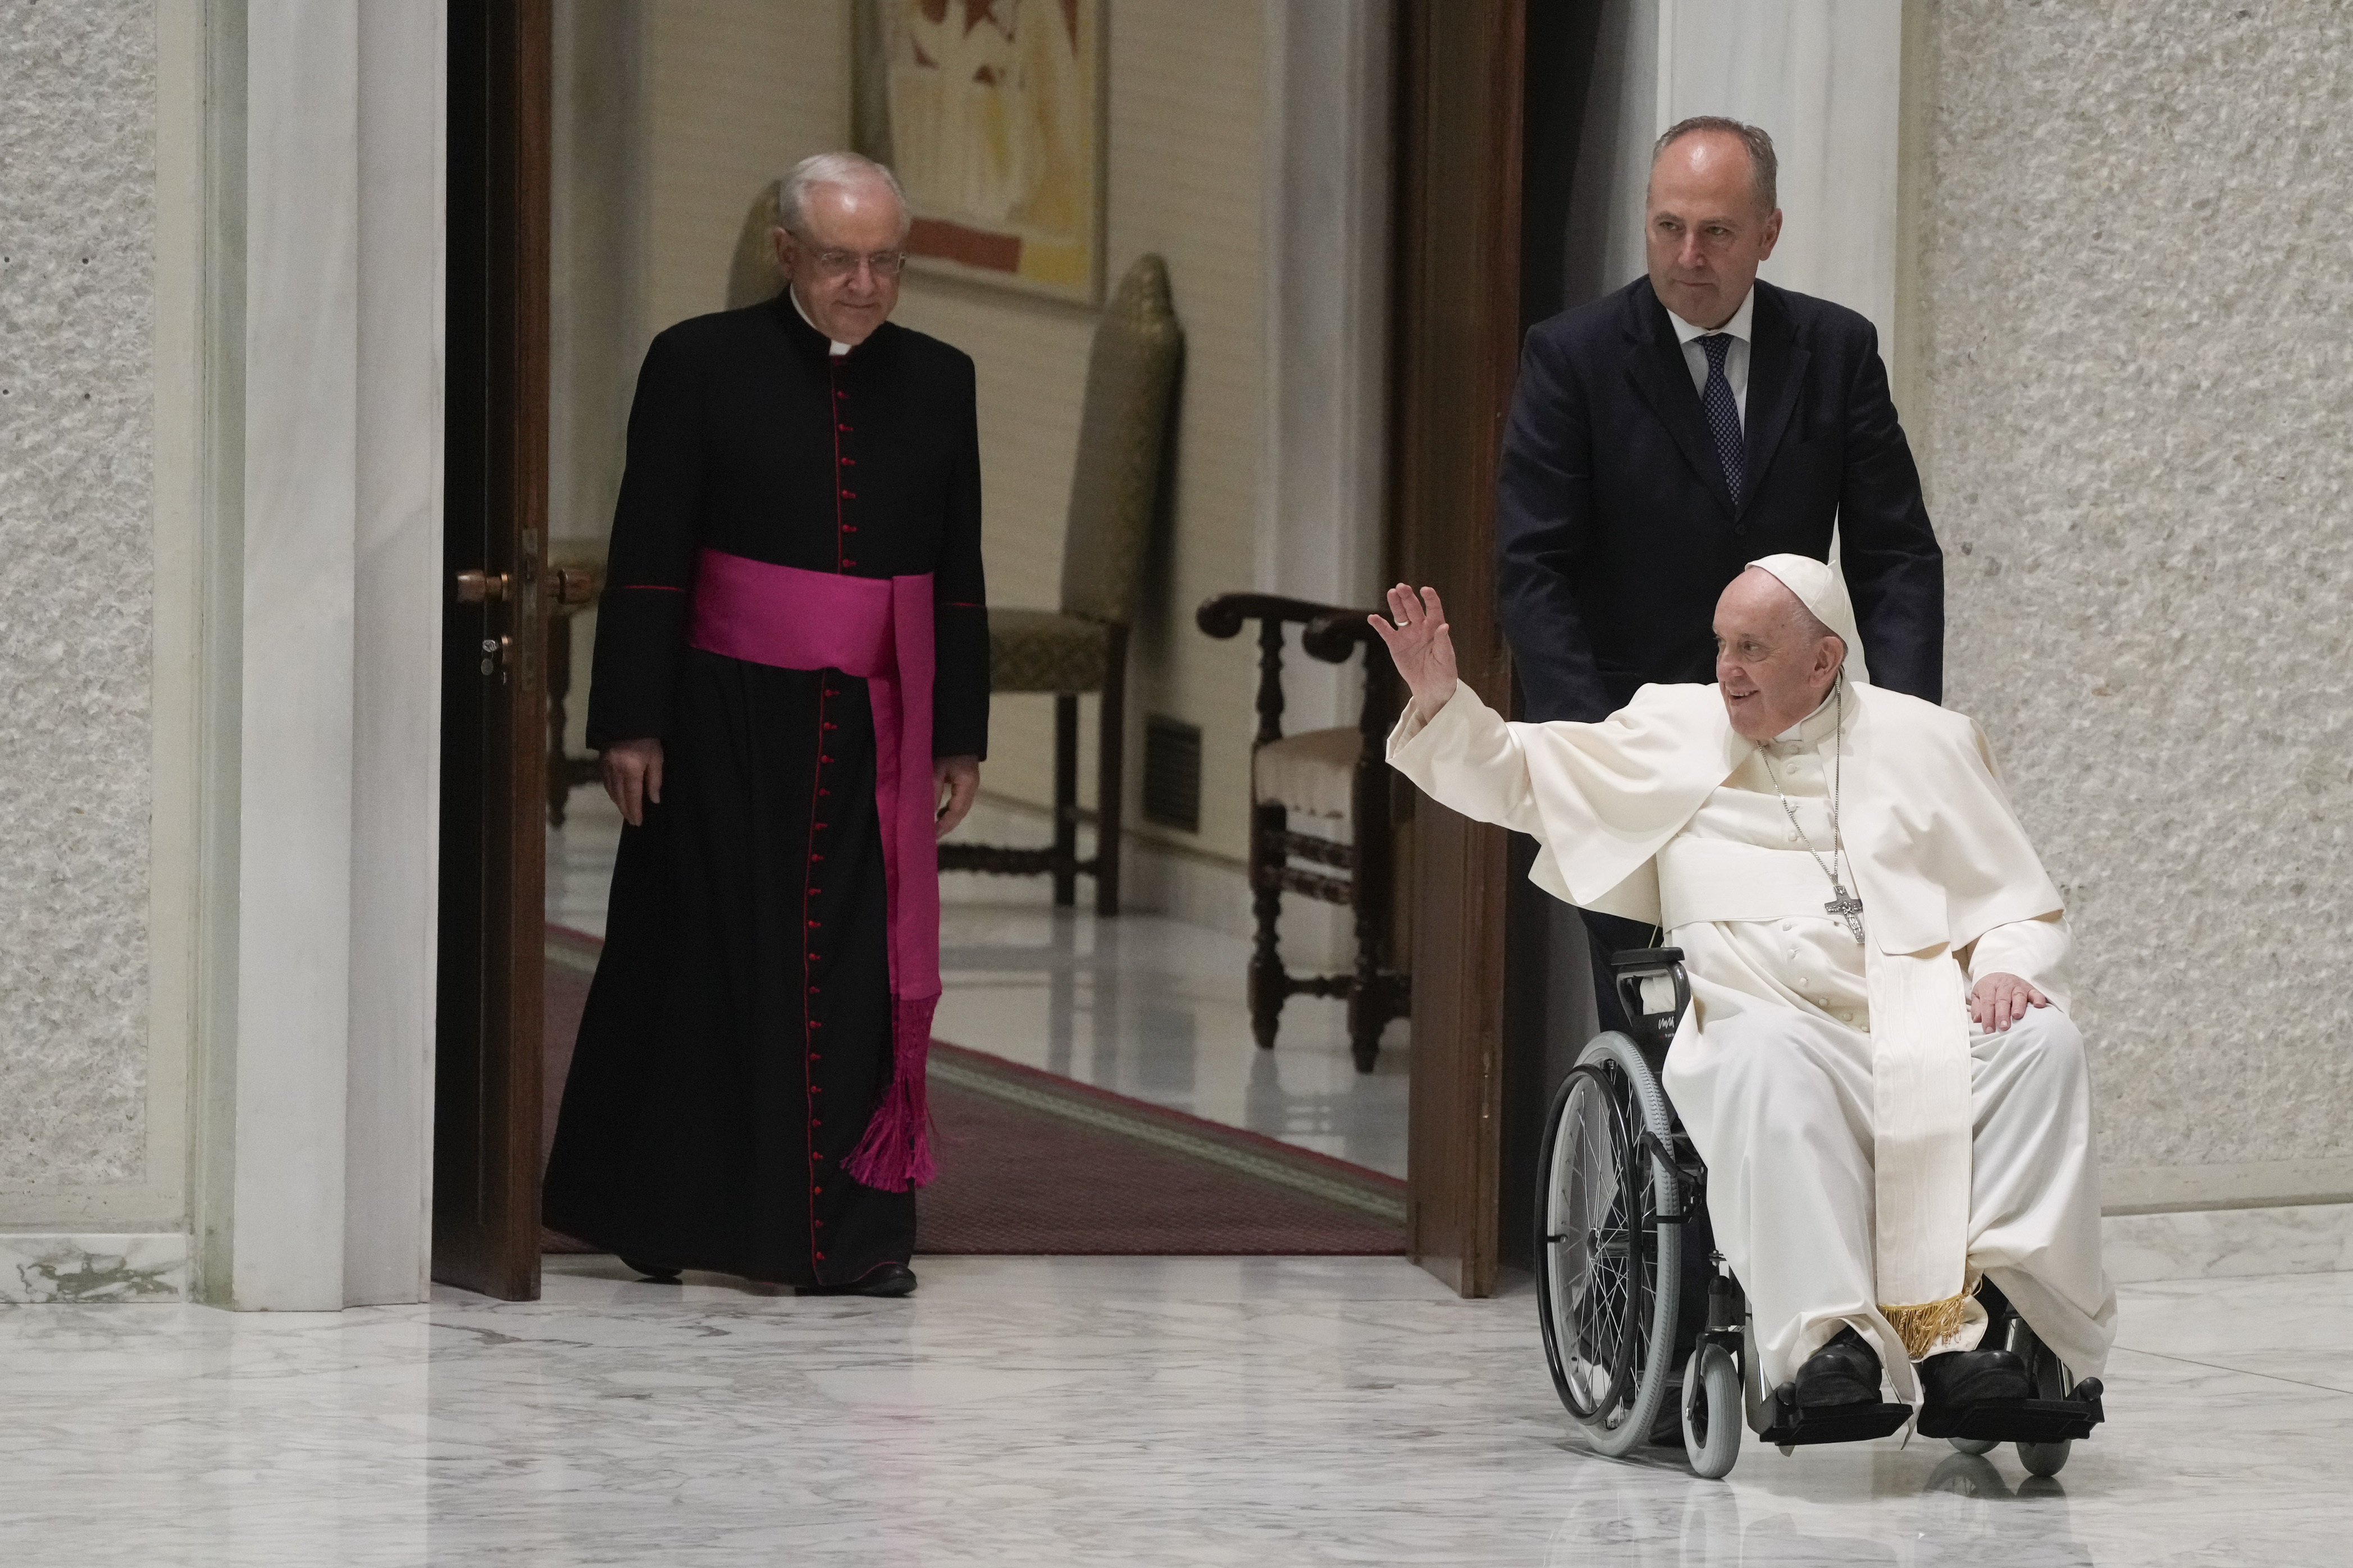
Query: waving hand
point(1420, 647)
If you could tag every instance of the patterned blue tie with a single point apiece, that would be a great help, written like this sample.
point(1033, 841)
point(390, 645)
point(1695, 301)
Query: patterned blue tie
point(1723, 412)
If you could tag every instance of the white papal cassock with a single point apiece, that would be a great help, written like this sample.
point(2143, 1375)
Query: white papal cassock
point(1663, 814)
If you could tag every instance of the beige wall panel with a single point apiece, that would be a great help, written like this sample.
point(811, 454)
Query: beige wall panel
point(1185, 172)
point(2133, 292)
point(736, 91)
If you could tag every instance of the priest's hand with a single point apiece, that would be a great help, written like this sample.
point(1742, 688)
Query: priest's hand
point(955, 781)
point(1999, 1000)
point(1420, 647)
point(632, 770)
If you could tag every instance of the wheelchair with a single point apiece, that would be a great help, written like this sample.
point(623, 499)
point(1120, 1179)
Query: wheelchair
point(1645, 1328)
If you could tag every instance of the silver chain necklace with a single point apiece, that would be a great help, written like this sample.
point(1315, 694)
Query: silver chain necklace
point(1843, 905)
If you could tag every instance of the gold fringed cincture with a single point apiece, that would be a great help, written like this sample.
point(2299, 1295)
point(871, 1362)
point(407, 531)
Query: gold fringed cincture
point(1924, 1327)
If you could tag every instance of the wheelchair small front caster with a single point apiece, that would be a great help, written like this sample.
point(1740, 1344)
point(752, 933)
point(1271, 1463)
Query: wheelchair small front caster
point(2044, 1458)
point(1712, 1420)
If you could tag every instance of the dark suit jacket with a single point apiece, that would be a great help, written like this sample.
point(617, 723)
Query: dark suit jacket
point(1615, 531)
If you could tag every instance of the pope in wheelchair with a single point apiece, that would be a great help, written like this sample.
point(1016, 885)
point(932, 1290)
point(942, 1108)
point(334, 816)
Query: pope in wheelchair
point(1843, 1177)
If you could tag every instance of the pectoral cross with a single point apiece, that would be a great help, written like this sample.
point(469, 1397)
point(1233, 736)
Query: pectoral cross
point(1846, 907)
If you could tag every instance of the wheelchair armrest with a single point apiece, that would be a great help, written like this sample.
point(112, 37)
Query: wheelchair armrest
point(1653, 989)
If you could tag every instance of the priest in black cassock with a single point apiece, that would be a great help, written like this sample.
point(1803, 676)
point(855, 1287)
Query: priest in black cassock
point(791, 702)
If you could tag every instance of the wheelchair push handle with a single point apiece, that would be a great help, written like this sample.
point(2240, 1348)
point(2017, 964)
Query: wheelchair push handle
point(1653, 989)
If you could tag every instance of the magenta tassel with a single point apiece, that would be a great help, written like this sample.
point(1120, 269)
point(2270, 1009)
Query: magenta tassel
point(896, 1152)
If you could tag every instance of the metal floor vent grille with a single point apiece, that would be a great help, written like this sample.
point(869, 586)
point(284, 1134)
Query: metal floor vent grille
point(1172, 773)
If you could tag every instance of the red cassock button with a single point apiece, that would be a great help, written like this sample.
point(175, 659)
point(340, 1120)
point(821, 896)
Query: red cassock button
point(821, 1257)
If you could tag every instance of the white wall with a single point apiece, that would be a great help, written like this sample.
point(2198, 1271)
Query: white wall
point(2132, 300)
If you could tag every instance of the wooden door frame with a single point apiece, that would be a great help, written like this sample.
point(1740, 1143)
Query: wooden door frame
point(1461, 70)
point(487, 1071)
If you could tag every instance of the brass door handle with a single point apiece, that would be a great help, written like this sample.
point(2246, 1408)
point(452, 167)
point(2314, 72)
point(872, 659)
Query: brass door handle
point(481, 587)
point(572, 585)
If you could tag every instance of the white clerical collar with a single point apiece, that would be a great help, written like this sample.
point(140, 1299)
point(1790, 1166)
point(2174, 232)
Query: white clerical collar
point(1814, 727)
point(838, 348)
point(1738, 326)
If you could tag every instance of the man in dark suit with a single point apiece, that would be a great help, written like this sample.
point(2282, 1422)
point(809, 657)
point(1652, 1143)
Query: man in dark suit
point(1664, 436)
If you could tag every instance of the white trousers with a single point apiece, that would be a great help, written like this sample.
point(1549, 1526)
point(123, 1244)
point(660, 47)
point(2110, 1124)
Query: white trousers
point(1777, 1101)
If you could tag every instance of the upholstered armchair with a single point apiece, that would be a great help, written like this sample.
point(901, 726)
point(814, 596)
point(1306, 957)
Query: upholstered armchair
point(1339, 775)
point(1115, 488)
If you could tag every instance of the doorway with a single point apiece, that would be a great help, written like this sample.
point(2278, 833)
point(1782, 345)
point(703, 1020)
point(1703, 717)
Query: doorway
point(487, 1112)
point(1461, 81)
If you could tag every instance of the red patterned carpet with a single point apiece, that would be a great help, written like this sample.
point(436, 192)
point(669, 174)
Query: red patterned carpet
point(1033, 1164)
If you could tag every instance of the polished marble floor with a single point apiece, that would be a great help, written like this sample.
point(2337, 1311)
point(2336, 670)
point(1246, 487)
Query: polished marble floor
point(1083, 1410)
point(1145, 1007)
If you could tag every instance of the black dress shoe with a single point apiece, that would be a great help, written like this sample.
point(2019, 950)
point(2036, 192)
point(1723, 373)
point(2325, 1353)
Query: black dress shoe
point(1961, 1378)
point(652, 1273)
point(1844, 1371)
point(884, 1279)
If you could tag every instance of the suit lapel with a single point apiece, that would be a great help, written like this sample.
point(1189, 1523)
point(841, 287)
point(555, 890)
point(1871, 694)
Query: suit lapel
point(1662, 377)
point(1777, 369)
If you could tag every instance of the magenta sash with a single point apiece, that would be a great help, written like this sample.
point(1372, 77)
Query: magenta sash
point(880, 628)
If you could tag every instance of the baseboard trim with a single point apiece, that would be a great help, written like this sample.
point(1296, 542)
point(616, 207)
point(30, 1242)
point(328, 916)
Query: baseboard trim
point(2248, 1184)
point(2226, 1243)
point(88, 1268)
point(1201, 889)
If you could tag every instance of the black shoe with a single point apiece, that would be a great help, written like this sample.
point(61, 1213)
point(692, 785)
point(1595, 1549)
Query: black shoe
point(1844, 1371)
point(1959, 1379)
point(652, 1273)
point(885, 1279)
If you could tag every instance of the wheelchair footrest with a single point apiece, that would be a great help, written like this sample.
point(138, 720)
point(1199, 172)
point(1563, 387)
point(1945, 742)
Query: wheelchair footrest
point(1792, 1425)
point(2021, 1420)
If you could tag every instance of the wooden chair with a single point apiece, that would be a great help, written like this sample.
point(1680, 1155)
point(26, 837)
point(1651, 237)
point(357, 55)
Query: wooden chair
point(1115, 491)
point(576, 580)
point(1338, 775)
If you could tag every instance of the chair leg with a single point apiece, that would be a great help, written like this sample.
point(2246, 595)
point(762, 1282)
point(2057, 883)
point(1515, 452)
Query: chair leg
point(1371, 1003)
point(559, 688)
point(1111, 783)
point(1269, 985)
point(1066, 799)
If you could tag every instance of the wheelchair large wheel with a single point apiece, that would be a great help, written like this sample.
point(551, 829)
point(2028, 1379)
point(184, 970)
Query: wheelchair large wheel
point(1607, 1267)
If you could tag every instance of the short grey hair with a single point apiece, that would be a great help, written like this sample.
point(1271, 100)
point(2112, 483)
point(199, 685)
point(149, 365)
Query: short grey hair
point(1764, 168)
point(831, 168)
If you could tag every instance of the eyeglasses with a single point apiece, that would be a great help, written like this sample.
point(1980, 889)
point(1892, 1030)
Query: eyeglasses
point(842, 263)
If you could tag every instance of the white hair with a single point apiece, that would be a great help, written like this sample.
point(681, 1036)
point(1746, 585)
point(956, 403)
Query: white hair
point(839, 169)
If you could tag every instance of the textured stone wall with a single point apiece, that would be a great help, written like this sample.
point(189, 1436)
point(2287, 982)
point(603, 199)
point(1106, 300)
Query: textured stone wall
point(2137, 264)
point(76, 223)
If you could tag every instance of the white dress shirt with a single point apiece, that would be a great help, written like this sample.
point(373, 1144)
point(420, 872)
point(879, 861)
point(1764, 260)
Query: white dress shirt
point(1735, 358)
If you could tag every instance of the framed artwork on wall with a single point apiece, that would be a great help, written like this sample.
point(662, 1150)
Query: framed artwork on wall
point(991, 114)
